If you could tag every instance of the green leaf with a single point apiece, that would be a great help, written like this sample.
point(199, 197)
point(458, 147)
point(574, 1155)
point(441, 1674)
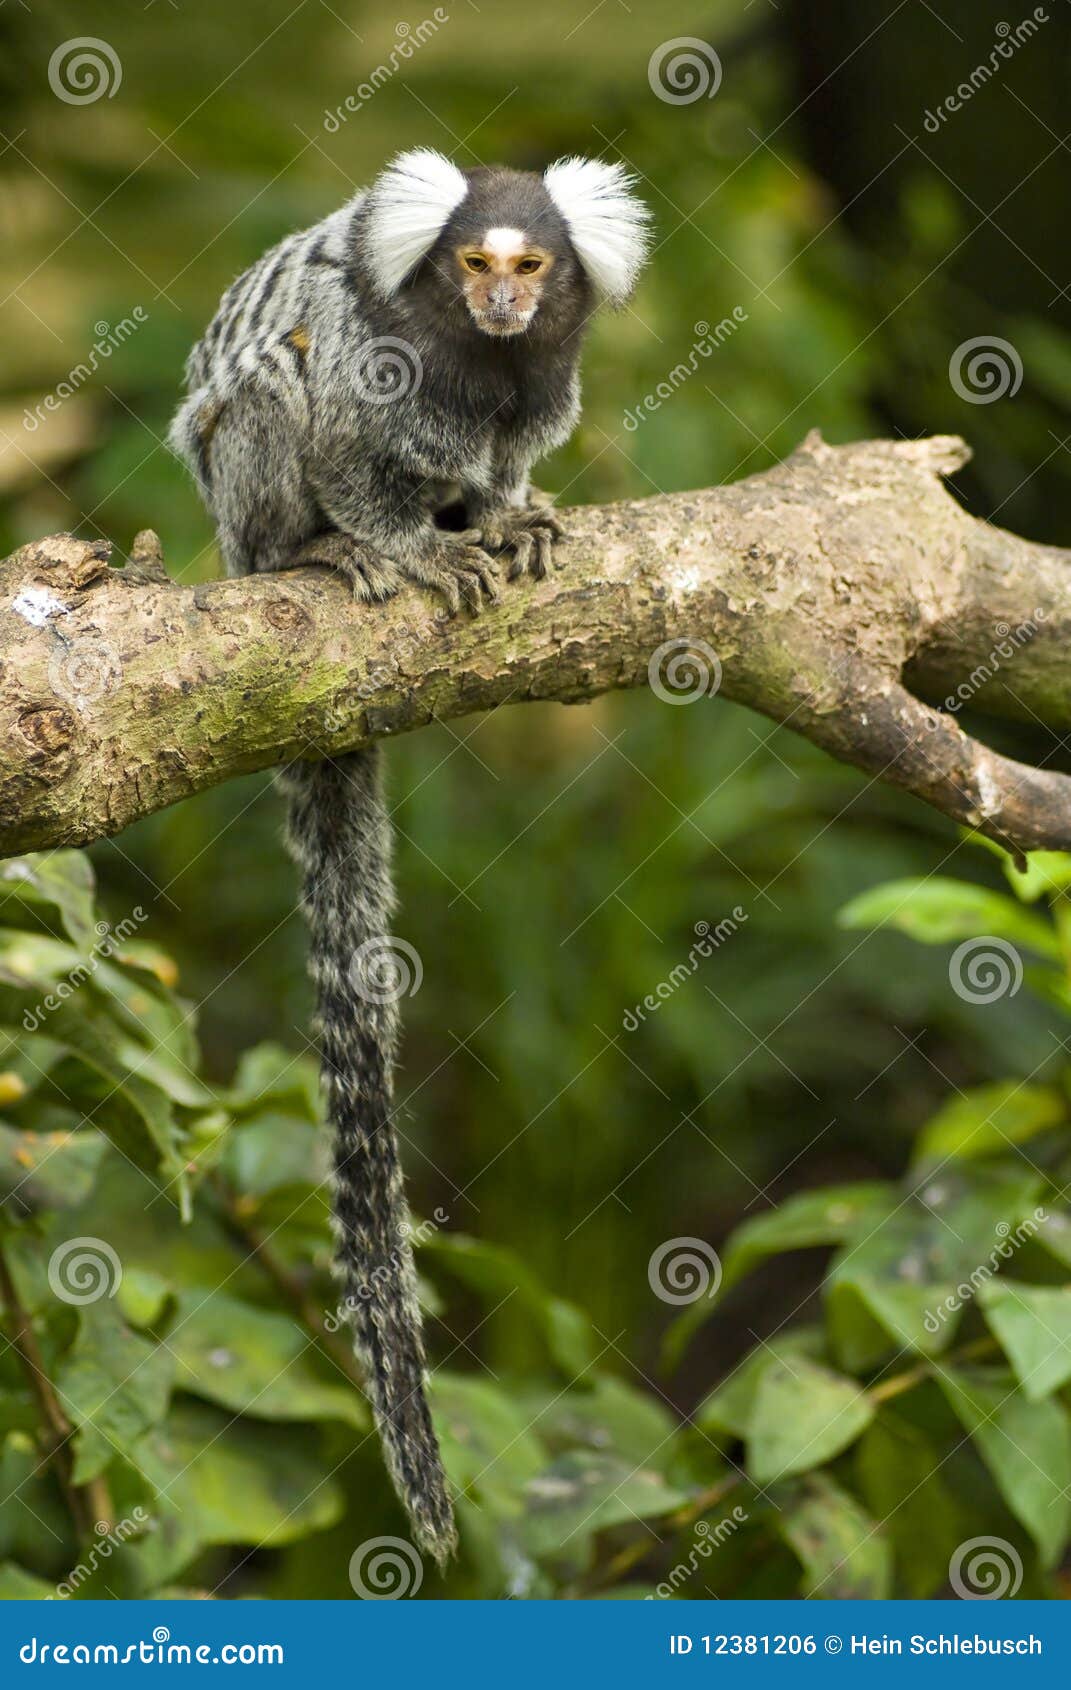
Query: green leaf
point(990, 1119)
point(224, 1481)
point(582, 1493)
point(497, 1273)
point(48, 1170)
point(804, 1415)
point(257, 1362)
point(1047, 874)
point(829, 1215)
point(610, 1417)
point(844, 1554)
point(135, 1114)
point(114, 1385)
point(731, 1407)
point(906, 1477)
point(271, 1074)
point(935, 911)
point(1033, 1326)
point(17, 1585)
point(58, 880)
point(272, 1152)
point(142, 1296)
point(34, 1521)
point(1025, 1445)
point(487, 1443)
point(897, 1287)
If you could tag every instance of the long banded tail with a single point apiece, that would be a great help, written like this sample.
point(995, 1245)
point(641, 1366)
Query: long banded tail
point(339, 834)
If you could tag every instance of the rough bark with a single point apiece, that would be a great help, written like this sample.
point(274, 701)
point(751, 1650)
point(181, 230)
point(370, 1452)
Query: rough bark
point(815, 585)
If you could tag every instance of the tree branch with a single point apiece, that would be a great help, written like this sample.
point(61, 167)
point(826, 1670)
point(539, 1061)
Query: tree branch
point(814, 586)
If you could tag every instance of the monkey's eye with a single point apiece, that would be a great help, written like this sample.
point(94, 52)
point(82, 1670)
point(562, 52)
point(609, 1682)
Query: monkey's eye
point(529, 266)
point(475, 262)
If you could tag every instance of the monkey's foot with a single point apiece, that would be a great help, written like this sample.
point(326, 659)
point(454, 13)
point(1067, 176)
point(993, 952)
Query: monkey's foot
point(529, 532)
point(461, 571)
point(372, 576)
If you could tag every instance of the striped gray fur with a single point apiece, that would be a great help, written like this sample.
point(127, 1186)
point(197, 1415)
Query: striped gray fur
point(303, 454)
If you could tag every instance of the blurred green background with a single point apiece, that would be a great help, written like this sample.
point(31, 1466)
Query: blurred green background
point(553, 862)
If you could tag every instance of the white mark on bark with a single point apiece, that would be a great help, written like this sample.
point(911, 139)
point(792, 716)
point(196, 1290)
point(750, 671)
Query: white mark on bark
point(36, 604)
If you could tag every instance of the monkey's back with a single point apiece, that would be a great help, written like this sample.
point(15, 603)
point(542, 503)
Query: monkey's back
point(298, 291)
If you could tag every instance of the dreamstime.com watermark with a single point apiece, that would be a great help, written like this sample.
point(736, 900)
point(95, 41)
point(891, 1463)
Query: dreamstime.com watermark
point(707, 341)
point(83, 70)
point(83, 1270)
point(683, 670)
point(385, 1569)
point(1009, 640)
point(109, 1539)
point(1008, 1241)
point(707, 941)
point(684, 1269)
point(985, 1569)
point(706, 1539)
point(684, 70)
point(386, 368)
point(385, 969)
point(408, 1235)
point(409, 42)
point(985, 969)
point(1009, 40)
point(110, 337)
point(984, 369)
point(159, 1651)
point(109, 940)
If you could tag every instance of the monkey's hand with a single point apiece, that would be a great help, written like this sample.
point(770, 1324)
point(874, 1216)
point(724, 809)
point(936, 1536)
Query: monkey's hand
point(529, 532)
point(372, 576)
point(458, 568)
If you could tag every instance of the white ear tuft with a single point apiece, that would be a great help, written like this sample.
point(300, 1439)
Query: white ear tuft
point(408, 207)
point(607, 224)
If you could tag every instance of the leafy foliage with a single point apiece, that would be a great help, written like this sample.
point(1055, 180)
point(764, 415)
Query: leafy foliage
point(176, 1361)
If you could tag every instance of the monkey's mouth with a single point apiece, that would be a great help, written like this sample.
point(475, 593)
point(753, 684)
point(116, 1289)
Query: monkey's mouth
point(502, 322)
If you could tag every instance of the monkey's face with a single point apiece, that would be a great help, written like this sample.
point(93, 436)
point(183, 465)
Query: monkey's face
point(503, 276)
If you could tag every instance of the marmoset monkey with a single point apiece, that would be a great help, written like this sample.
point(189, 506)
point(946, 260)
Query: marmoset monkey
point(416, 348)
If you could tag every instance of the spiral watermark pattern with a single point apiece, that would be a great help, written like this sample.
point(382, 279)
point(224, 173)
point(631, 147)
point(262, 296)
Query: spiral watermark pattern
point(387, 369)
point(83, 70)
point(684, 70)
point(681, 671)
point(984, 969)
point(83, 1270)
point(386, 969)
point(384, 1569)
point(84, 673)
point(985, 369)
point(985, 1569)
point(684, 1269)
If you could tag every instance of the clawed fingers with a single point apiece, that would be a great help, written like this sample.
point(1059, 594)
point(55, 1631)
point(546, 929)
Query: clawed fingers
point(544, 517)
point(522, 551)
point(465, 576)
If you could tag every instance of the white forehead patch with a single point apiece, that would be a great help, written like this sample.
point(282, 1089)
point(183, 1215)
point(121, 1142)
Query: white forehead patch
point(505, 243)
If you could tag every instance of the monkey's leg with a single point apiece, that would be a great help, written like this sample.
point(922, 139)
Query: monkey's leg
point(372, 576)
point(515, 517)
point(254, 480)
point(529, 533)
point(376, 506)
